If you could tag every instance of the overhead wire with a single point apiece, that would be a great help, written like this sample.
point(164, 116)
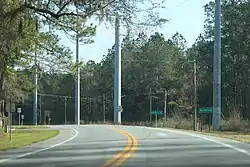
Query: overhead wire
point(181, 3)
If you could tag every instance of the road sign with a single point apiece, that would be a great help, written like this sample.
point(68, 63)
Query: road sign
point(19, 110)
point(156, 112)
point(205, 110)
point(120, 109)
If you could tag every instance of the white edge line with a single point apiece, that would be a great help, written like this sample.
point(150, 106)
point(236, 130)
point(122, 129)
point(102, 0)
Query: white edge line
point(162, 134)
point(41, 150)
point(201, 137)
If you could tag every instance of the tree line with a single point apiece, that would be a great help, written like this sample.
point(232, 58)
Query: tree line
point(29, 31)
point(151, 63)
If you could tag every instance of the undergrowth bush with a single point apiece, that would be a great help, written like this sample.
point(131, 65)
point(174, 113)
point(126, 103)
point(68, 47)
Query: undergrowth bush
point(178, 123)
point(235, 122)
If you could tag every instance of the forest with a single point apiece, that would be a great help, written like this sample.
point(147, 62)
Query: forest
point(151, 66)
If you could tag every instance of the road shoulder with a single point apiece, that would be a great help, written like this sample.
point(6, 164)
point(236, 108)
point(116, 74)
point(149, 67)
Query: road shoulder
point(238, 146)
point(64, 135)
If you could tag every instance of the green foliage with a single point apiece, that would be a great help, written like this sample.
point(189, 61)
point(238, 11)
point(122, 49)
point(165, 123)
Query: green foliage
point(148, 62)
point(17, 84)
point(167, 64)
point(28, 29)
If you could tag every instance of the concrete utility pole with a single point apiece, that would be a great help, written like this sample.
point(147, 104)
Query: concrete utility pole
point(10, 120)
point(35, 84)
point(165, 105)
point(77, 83)
point(90, 109)
point(65, 110)
point(217, 68)
point(117, 76)
point(40, 109)
point(150, 104)
point(195, 97)
point(104, 108)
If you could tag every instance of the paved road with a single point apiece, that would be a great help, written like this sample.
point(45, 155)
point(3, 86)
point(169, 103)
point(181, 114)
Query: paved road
point(103, 145)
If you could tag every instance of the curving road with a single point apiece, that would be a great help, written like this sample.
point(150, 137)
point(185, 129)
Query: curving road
point(108, 145)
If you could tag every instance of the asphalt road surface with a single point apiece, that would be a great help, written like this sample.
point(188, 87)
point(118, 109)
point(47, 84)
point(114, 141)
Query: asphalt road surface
point(127, 146)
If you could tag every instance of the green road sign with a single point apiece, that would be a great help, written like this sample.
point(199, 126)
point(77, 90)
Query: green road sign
point(156, 112)
point(205, 110)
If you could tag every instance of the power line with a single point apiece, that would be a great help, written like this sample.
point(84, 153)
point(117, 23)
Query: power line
point(189, 61)
point(69, 97)
point(181, 3)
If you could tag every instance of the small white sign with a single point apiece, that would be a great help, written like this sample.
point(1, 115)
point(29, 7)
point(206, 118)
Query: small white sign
point(120, 109)
point(22, 116)
point(19, 110)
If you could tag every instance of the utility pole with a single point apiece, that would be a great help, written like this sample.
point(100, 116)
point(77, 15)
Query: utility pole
point(77, 83)
point(65, 110)
point(195, 97)
point(35, 84)
point(10, 120)
point(217, 68)
point(103, 108)
point(150, 105)
point(90, 109)
point(117, 75)
point(40, 109)
point(165, 106)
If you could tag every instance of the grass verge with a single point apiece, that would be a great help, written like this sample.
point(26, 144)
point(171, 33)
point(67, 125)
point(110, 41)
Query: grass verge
point(29, 127)
point(235, 129)
point(24, 138)
point(230, 134)
point(239, 136)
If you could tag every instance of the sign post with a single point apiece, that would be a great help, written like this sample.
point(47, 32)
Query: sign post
point(209, 111)
point(45, 114)
point(22, 117)
point(156, 113)
point(19, 115)
point(49, 120)
point(10, 108)
point(156, 120)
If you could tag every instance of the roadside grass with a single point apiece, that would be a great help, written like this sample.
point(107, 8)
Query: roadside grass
point(29, 127)
point(239, 136)
point(25, 138)
point(234, 127)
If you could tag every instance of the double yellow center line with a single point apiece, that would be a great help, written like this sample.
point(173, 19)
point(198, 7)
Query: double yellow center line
point(119, 158)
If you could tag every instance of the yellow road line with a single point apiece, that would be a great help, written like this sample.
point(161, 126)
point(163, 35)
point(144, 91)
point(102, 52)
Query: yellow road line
point(129, 154)
point(128, 150)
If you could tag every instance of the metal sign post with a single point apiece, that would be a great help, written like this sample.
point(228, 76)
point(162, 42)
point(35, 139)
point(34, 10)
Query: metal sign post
point(156, 120)
point(206, 111)
point(19, 116)
point(10, 107)
point(22, 117)
point(156, 113)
